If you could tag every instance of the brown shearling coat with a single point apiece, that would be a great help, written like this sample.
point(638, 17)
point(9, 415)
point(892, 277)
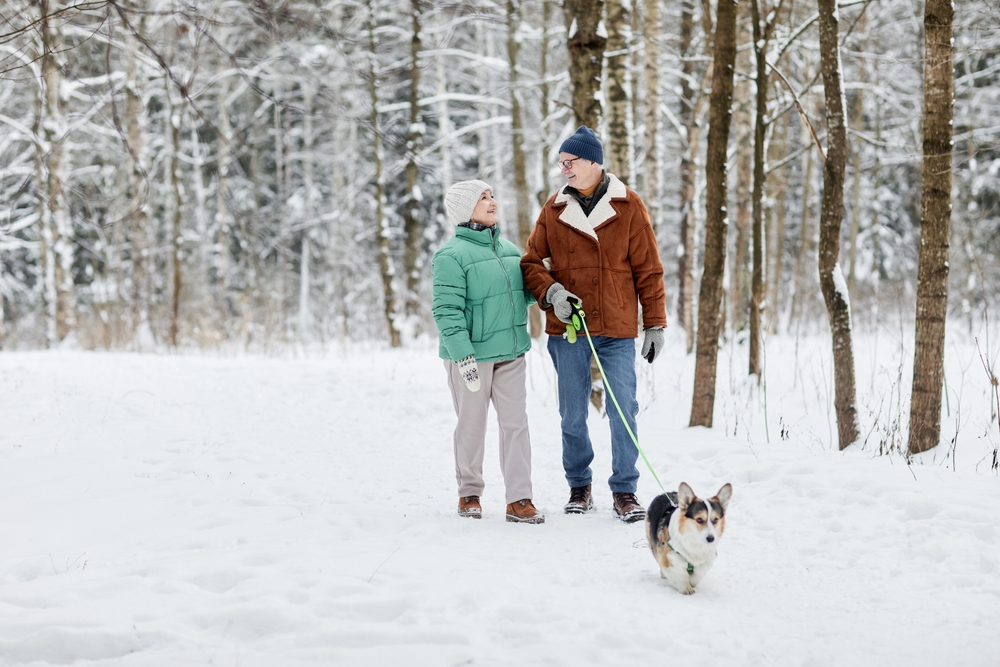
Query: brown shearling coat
point(609, 260)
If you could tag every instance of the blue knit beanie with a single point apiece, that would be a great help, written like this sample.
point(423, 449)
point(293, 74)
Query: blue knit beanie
point(584, 143)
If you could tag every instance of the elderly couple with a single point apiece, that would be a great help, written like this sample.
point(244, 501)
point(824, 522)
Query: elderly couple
point(592, 245)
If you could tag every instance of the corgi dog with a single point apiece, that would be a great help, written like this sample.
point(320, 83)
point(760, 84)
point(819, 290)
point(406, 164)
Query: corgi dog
point(683, 531)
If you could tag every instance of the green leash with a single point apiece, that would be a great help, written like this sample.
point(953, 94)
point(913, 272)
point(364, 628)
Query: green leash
point(579, 320)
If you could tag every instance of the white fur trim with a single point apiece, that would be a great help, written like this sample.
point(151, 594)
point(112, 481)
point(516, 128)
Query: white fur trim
point(572, 214)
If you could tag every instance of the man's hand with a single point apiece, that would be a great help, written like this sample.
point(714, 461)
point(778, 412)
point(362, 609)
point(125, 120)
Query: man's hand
point(559, 298)
point(652, 343)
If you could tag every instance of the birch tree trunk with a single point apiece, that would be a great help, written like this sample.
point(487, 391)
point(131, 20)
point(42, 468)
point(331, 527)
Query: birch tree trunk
point(46, 256)
point(775, 238)
point(522, 206)
point(56, 216)
point(545, 188)
point(280, 210)
point(831, 278)
point(138, 186)
point(196, 178)
point(716, 220)
point(586, 41)
point(739, 274)
point(482, 87)
point(619, 36)
point(935, 227)
point(174, 123)
point(412, 219)
point(308, 208)
point(857, 123)
point(223, 219)
point(444, 123)
point(385, 263)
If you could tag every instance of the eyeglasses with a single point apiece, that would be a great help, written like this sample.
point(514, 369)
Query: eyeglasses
point(567, 164)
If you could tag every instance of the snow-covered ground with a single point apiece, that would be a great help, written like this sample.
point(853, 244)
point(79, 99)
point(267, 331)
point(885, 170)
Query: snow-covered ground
point(259, 511)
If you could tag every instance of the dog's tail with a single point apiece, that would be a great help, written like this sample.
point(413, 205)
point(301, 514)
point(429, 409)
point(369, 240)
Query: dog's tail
point(658, 517)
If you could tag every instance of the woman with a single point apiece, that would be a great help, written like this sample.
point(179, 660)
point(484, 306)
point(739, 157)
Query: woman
point(481, 310)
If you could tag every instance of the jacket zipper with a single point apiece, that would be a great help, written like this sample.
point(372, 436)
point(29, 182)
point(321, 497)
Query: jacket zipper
point(510, 292)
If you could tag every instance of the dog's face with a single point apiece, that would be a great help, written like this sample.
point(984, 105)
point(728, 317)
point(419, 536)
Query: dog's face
point(701, 522)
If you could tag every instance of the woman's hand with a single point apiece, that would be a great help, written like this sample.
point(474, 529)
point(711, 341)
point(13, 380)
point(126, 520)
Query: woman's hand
point(470, 372)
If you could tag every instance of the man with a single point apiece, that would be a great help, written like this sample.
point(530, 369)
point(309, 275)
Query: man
point(593, 245)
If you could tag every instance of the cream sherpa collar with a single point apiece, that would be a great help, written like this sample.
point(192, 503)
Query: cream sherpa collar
point(573, 215)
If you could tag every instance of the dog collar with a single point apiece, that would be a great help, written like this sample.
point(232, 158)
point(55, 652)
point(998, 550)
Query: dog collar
point(690, 567)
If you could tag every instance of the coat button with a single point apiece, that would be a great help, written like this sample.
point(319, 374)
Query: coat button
point(572, 249)
point(572, 281)
point(594, 280)
point(594, 313)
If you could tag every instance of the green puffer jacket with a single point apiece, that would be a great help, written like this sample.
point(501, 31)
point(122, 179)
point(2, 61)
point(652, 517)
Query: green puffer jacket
point(480, 302)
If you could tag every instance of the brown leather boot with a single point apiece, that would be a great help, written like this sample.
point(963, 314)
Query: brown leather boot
point(469, 506)
point(627, 507)
point(523, 511)
point(580, 500)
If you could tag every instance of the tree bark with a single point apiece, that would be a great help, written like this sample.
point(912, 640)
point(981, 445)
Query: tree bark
point(308, 224)
point(223, 218)
point(716, 220)
point(857, 122)
point(444, 122)
point(412, 216)
point(761, 37)
point(935, 227)
point(652, 28)
point(831, 277)
point(739, 273)
point(138, 185)
point(522, 209)
point(586, 42)
point(775, 237)
point(279, 209)
point(385, 263)
point(56, 215)
point(174, 122)
point(688, 116)
point(543, 72)
point(619, 134)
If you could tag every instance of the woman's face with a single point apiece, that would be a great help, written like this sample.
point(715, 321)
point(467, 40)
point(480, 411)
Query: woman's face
point(485, 212)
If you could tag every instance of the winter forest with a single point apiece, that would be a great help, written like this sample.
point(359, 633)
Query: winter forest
point(194, 174)
point(227, 437)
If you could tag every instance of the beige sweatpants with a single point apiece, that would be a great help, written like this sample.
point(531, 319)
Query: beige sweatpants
point(503, 385)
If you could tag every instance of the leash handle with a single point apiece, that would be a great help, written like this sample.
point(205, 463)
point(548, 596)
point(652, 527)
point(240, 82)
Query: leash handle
point(576, 320)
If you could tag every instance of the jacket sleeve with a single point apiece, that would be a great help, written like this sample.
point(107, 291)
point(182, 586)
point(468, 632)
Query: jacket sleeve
point(537, 278)
point(647, 270)
point(448, 306)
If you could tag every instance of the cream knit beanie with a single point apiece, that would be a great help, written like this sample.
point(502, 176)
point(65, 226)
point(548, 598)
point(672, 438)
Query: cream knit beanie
point(461, 200)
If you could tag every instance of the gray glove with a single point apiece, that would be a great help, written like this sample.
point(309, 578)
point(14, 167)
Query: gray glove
point(559, 298)
point(652, 343)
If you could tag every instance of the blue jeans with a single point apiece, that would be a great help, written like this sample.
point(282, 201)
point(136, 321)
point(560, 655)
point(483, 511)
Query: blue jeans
point(572, 362)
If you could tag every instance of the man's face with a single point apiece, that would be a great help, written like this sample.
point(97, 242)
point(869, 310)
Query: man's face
point(580, 174)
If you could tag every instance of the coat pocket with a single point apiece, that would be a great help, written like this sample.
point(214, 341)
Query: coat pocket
point(624, 289)
point(476, 332)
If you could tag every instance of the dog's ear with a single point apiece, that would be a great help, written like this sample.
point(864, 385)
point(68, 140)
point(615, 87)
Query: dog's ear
point(724, 494)
point(685, 496)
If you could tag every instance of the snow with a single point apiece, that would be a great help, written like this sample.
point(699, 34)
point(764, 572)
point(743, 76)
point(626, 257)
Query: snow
point(258, 511)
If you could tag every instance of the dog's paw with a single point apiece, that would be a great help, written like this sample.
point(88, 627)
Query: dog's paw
point(688, 591)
